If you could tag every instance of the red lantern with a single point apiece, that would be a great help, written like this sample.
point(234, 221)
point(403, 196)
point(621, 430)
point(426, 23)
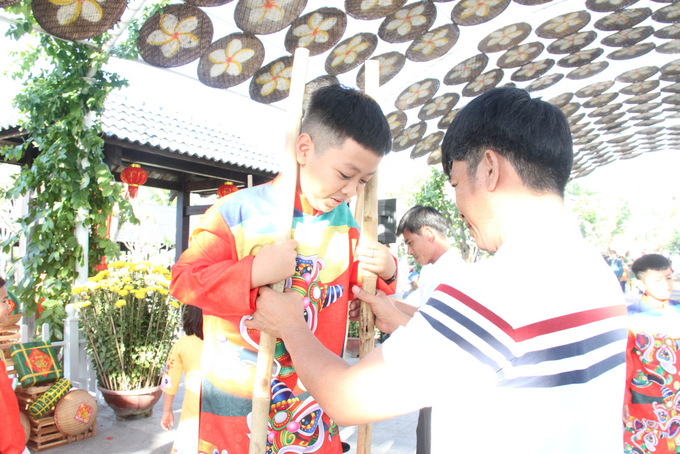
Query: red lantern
point(226, 189)
point(133, 176)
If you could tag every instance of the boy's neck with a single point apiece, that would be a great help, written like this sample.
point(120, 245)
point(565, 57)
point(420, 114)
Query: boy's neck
point(661, 304)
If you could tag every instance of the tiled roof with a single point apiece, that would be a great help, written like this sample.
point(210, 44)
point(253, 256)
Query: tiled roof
point(148, 124)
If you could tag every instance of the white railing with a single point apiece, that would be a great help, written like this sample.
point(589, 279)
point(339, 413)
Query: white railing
point(77, 365)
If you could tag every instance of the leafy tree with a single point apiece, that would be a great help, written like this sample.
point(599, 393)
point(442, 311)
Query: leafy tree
point(599, 222)
point(432, 192)
point(67, 180)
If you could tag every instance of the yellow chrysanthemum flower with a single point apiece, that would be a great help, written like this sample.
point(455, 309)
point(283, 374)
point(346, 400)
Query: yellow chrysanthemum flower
point(120, 303)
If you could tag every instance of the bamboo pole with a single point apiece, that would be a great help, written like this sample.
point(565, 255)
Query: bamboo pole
point(287, 184)
point(369, 231)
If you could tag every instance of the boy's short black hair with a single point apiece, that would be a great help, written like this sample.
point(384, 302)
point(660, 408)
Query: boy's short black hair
point(193, 321)
point(2, 282)
point(653, 262)
point(534, 135)
point(336, 113)
point(419, 216)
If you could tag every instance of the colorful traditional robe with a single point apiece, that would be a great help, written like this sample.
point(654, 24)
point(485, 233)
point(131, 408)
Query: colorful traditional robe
point(214, 274)
point(653, 379)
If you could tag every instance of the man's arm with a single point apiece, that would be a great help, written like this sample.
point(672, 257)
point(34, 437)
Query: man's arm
point(365, 392)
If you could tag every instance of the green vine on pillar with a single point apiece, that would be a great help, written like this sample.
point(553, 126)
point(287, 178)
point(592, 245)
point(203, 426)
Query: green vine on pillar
point(66, 178)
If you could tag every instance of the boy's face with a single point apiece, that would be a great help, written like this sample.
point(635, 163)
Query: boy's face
point(658, 284)
point(4, 305)
point(335, 175)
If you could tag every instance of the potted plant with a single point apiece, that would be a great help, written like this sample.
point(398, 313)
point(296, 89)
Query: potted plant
point(130, 323)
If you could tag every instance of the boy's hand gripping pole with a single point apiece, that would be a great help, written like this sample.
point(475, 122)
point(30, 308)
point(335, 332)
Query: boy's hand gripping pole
point(287, 186)
point(369, 231)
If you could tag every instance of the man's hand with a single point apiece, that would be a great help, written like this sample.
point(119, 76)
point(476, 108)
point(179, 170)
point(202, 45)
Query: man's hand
point(274, 263)
point(277, 313)
point(377, 258)
point(387, 317)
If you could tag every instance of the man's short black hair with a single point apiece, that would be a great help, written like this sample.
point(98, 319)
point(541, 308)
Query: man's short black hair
point(532, 134)
point(654, 262)
point(419, 216)
point(336, 113)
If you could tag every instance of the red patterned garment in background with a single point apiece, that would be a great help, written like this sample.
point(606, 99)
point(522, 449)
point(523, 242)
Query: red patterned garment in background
point(653, 378)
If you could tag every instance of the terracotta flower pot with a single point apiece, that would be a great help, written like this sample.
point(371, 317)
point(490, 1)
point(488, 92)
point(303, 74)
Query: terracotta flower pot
point(132, 403)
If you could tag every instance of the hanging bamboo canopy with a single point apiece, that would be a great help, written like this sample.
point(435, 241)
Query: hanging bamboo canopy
point(603, 62)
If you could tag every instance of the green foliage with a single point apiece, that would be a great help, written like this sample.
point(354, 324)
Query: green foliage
point(130, 324)
point(673, 245)
point(432, 193)
point(598, 221)
point(67, 180)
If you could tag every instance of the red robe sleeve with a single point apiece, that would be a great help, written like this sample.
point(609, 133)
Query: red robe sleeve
point(11, 430)
point(209, 273)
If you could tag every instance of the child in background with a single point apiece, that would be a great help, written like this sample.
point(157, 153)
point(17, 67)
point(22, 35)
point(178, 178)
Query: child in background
point(651, 414)
point(11, 430)
point(185, 356)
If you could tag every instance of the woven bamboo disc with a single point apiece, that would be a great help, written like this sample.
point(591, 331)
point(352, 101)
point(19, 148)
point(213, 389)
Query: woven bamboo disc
point(628, 36)
point(6, 3)
point(409, 136)
point(580, 58)
point(483, 83)
point(446, 120)
point(473, 13)
point(504, 38)
point(263, 18)
point(230, 60)
point(417, 94)
point(76, 412)
point(600, 6)
point(77, 20)
point(350, 53)
point(175, 36)
point(433, 43)
point(466, 70)
point(633, 51)
point(572, 43)
point(317, 31)
point(427, 145)
point(532, 70)
point(397, 121)
point(667, 14)
point(436, 107)
point(408, 22)
point(563, 25)
point(359, 9)
point(562, 99)
point(622, 19)
point(520, 55)
point(544, 82)
point(588, 70)
point(389, 65)
point(637, 74)
point(271, 83)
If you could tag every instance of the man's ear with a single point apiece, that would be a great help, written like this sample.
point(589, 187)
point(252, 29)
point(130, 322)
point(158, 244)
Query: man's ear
point(427, 233)
point(304, 148)
point(491, 169)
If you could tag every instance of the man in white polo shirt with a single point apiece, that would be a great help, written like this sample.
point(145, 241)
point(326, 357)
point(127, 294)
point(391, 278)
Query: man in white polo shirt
point(509, 358)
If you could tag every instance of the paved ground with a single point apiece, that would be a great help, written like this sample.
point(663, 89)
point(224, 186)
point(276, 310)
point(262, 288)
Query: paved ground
point(140, 435)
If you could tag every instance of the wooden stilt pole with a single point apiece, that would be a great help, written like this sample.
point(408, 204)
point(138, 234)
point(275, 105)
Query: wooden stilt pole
point(265, 356)
point(369, 231)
